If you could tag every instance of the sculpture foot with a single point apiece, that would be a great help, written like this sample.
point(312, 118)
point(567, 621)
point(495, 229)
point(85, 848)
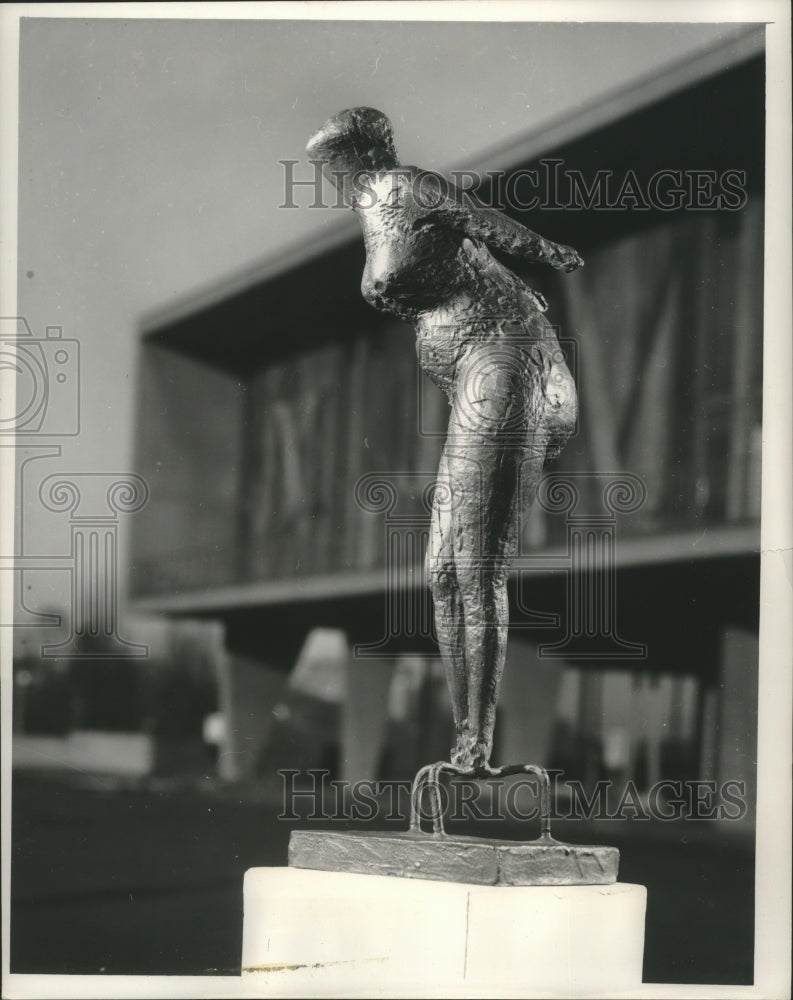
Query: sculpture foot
point(470, 753)
point(475, 767)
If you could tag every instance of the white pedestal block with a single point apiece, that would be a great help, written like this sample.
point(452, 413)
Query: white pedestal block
point(313, 933)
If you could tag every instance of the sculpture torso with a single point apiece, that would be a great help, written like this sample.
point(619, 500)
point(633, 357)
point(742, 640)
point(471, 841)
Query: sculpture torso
point(453, 290)
point(410, 267)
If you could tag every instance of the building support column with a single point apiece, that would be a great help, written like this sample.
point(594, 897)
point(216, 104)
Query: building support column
point(364, 726)
point(529, 692)
point(253, 675)
point(736, 735)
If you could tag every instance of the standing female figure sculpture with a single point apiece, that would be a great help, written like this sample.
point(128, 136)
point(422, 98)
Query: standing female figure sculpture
point(483, 338)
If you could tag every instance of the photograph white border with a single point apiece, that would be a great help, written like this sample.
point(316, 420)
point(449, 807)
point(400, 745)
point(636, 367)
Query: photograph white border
point(773, 843)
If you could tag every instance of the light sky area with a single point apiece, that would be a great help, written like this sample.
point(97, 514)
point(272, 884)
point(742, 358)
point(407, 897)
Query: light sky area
point(149, 161)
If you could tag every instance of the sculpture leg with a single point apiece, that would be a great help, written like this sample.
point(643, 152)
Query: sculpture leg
point(442, 579)
point(482, 566)
point(484, 455)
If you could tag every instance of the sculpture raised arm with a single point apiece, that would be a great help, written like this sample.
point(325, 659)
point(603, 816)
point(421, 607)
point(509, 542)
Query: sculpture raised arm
point(496, 230)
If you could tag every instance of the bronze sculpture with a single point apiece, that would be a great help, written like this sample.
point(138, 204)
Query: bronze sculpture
point(483, 338)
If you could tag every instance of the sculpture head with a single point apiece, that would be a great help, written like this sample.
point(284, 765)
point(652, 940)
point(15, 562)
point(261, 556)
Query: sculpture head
point(358, 139)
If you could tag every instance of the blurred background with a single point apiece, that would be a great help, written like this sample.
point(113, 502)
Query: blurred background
point(223, 455)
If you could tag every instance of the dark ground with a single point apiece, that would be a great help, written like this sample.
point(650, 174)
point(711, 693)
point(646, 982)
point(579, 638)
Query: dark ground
point(147, 879)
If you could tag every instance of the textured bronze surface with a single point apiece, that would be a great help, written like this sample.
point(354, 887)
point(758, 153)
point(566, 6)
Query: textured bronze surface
point(475, 860)
point(483, 338)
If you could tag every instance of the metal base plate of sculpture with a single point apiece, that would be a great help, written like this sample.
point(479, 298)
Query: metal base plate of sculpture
point(483, 338)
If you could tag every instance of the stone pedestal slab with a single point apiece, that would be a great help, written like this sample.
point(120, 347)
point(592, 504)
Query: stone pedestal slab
point(339, 934)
